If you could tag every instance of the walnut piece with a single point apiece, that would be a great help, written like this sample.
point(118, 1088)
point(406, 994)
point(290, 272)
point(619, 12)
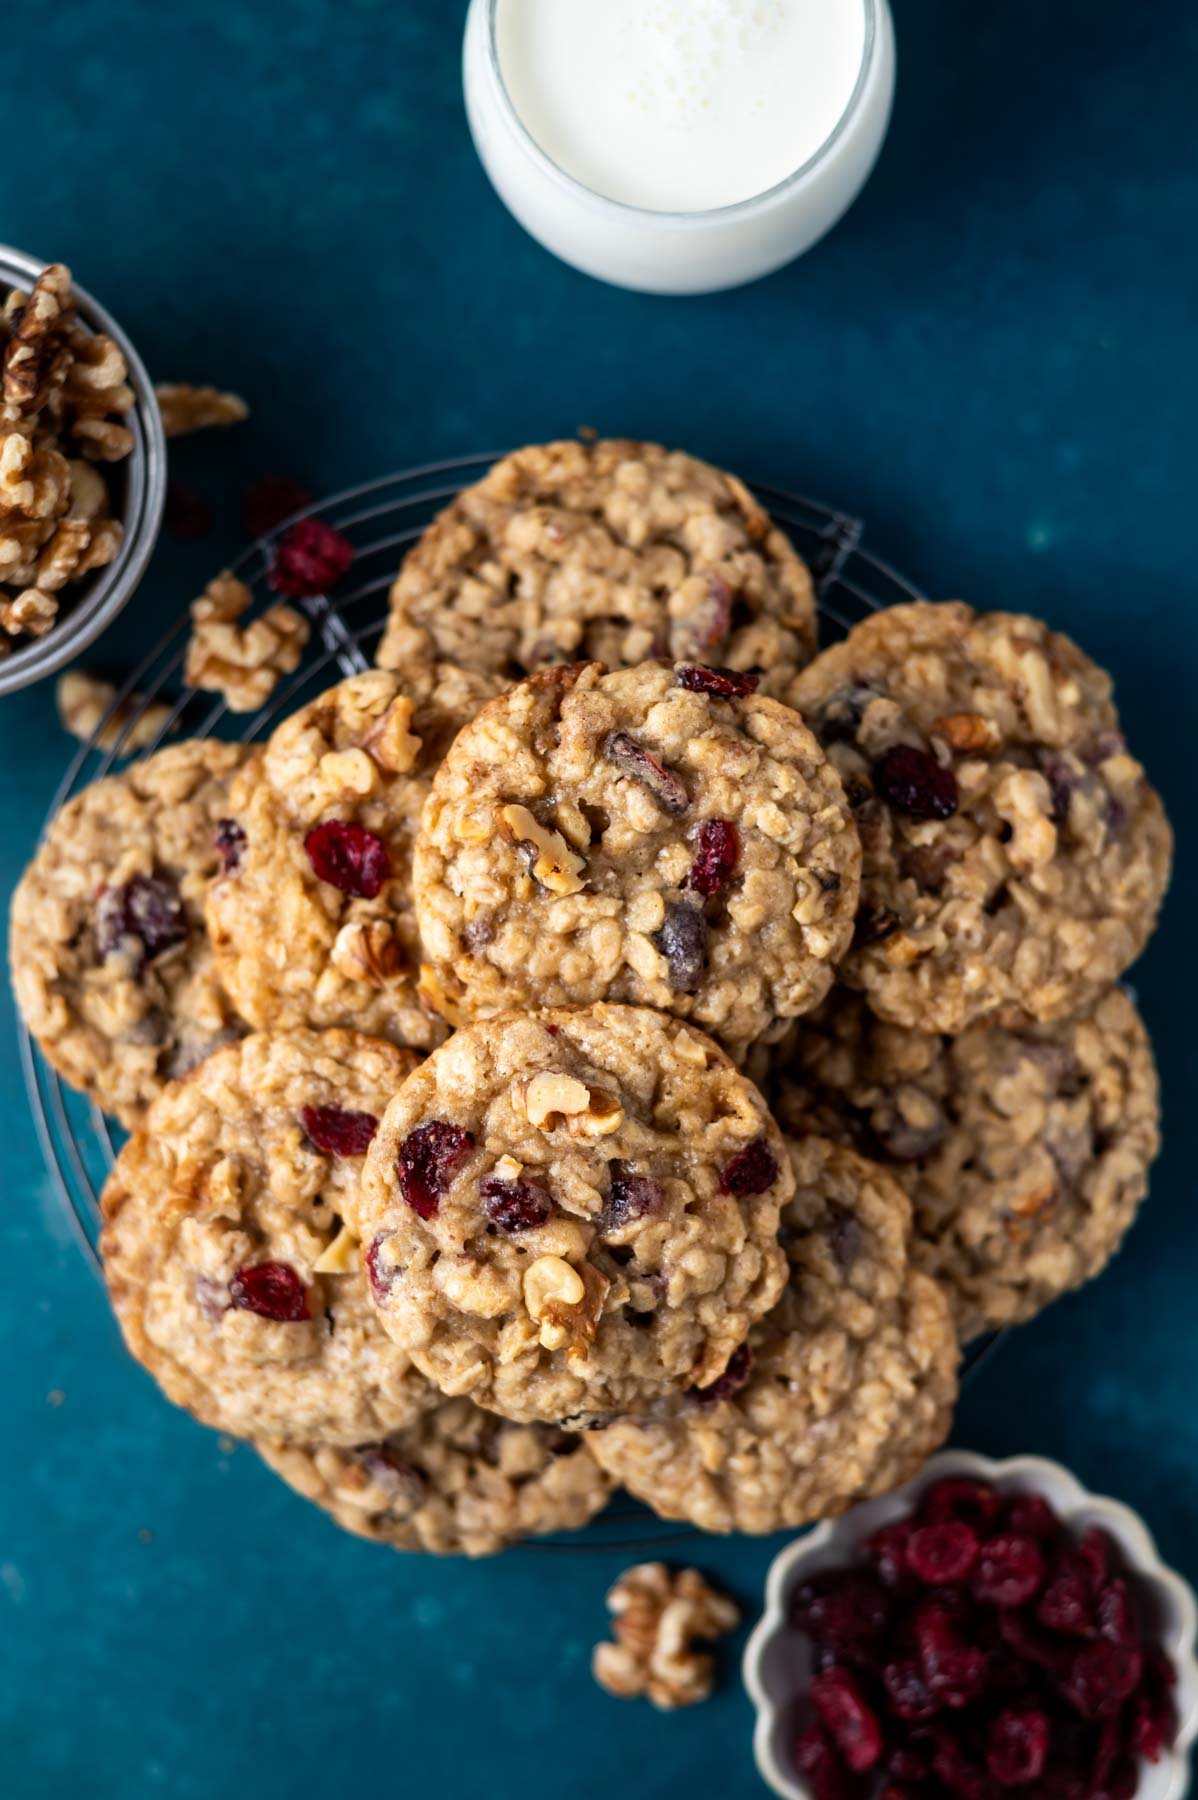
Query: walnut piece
point(341, 1257)
point(555, 866)
point(367, 951)
point(242, 663)
point(83, 699)
point(550, 1100)
point(657, 1617)
point(566, 1303)
point(185, 408)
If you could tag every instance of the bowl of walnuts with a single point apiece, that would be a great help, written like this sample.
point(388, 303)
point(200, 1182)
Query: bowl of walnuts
point(82, 468)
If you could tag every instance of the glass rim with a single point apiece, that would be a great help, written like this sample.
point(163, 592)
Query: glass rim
point(732, 210)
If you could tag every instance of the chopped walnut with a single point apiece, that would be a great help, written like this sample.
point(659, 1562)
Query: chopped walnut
point(550, 1100)
point(368, 951)
point(35, 483)
point(566, 1303)
point(242, 663)
point(36, 355)
point(554, 864)
point(31, 614)
point(658, 1615)
point(83, 700)
point(185, 408)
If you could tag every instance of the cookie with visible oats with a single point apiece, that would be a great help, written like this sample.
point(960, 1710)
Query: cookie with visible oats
point(613, 550)
point(661, 836)
point(111, 963)
point(839, 1394)
point(1015, 855)
point(229, 1248)
point(569, 1215)
point(311, 919)
point(457, 1481)
point(1025, 1153)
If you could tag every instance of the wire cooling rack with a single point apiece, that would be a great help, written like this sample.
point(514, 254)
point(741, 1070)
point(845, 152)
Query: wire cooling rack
point(382, 519)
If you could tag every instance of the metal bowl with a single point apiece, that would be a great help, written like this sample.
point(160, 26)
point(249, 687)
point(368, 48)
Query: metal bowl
point(138, 488)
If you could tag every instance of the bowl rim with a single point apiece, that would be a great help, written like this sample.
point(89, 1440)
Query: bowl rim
point(144, 471)
point(1071, 1499)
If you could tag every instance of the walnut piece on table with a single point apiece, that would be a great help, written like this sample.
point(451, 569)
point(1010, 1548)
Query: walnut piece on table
point(83, 699)
point(658, 1616)
point(243, 664)
point(185, 408)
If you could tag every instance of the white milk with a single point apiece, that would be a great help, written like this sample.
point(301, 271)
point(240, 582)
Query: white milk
point(678, 145)
point(680, 105)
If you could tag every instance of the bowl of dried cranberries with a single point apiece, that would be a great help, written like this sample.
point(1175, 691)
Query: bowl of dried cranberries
point(991, 1631)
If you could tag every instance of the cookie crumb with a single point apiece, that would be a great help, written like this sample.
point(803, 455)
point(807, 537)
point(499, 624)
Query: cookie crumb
point(658, 1616)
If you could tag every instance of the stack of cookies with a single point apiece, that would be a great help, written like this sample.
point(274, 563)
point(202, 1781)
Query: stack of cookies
point(610, 1043)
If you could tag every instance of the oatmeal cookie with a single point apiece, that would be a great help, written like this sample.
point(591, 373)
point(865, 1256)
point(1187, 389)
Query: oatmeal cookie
point(1015, 855)
point(229, 1248)
point(458, 1480)
point(659, 836)
point(111, 963)
point(840, 1394)
point(616, 551)
point(566, 1216)
point(1025, 1152)
point(312, 920)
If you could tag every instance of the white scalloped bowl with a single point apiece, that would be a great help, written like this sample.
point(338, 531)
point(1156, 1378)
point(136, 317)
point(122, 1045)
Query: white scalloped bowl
point(777, 1662)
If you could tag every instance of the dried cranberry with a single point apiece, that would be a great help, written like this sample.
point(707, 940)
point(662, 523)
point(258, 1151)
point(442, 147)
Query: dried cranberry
point(1032, 1646)
point(943, 1554)
point(1017, 1749)
point(888, 1551)
point(1153, 1725)
point(629, 1197)
point(752, 1170)
point(624, 751)
point(1116, 1613)
point(734, 1378)
point(273, 1290)
point(145, 913)
point(818, 1763)
point(1010, 1570)
point(723, 684)
point(228, 840)
point(847, 1715)
point(1102, 1677)
point(907, 1693)
point(1123, 1782)
point(957, 1770)
point(1097, 1557)
point(268, 501)
point(959, 1497)
point(845, 1237)
point(514, 1205)
point(954, 1671)
point(381, 1280)
point(337, 1131)
point(398, 1479)
point(1030, 1515)
point(682, 940)
point(1066, 1604)
point(428, 1161)
point(349, 857)
point(310, 559)
point(844, 1612)
point(705, 626)
point(914, 782)
point(909, 1763)
point(717, 852)
point(188, 515)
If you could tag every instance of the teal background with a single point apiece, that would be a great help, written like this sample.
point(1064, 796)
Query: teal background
point(992, 360)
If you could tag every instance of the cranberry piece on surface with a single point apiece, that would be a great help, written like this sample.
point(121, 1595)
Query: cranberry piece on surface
point(624, 751)
point(337, 1131)
point(735, 1376)
point(717, 852)
point(349, 857)
point(268, 501)
point(682, 940)
point(514, 1205)
point(907, 1693)
point(752, 1170)
point(428, 1161)
point(846, 1714)
point(943, 1554)
point(145, 912)
point(888, 1551)
point(228, 840)
point(1017, 1749)
point(310, 559)
point(188, 515)
point(629, 1197)
point(959, 1497)
point(1010, 1570)
point(913, 782)
point(722, 684)
point(273, 1290)
point(1066, 1604)
point(817, 1761)
point(844, 1612)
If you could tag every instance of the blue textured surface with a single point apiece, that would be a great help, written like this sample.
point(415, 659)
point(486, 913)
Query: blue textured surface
point(992, 360)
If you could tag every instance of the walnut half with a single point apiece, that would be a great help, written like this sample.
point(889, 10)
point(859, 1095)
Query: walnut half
point(657, 1617)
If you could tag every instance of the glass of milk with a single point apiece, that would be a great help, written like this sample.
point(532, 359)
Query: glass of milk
point(678, 146)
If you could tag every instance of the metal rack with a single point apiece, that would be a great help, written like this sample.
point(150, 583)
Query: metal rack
point(382, 519)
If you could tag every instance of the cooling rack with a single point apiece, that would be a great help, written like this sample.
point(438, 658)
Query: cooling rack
point(382, 519)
